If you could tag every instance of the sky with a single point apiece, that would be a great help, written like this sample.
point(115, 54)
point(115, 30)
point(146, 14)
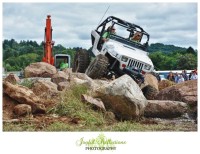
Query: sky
point(167, 23)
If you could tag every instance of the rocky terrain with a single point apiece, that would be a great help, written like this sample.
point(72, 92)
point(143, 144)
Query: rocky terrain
point(120, 101)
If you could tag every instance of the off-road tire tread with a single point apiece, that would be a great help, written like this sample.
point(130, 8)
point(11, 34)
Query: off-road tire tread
point(149, 92)
point(81, 61)
point(98, 67)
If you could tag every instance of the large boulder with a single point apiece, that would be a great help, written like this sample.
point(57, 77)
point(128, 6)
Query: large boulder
point(123, 97)
point(150, 86)
point(151, 80)
point(45, 89)
point(12, 78)
point(39, 69)
point(165, 109)
point(24, 95)
point(184, 92)
point(60, 76)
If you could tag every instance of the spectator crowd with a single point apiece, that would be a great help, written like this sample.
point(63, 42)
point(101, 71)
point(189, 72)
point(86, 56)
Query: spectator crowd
point(181, 77)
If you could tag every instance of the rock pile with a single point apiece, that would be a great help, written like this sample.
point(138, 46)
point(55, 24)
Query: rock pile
point(121, 96)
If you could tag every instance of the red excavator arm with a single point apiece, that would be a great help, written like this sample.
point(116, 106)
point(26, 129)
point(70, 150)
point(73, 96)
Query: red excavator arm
point(48, 43)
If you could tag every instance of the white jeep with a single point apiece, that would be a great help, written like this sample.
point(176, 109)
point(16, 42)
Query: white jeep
point(118, 55)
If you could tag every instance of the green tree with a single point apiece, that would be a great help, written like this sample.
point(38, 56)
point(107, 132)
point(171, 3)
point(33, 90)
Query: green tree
point(158, 58)
point(187, 61)
point(190, 50)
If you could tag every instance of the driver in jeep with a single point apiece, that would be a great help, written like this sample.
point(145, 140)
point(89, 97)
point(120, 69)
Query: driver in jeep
point(106, 35)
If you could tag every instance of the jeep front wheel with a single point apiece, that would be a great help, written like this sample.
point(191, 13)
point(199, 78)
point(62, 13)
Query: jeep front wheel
point(149, 92)
point(81, 61)
point(97, 67)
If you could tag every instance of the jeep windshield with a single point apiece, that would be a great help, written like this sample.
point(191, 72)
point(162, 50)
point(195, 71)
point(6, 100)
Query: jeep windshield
point(128, 42)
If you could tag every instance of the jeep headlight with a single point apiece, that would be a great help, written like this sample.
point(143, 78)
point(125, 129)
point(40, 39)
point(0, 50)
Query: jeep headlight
point(124, 59)
point(147, 67)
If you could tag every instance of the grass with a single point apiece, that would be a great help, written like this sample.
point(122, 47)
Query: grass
point(19, 127)
point(126, 126)
point(72, 106)
point(27, 83)
point(58, 126)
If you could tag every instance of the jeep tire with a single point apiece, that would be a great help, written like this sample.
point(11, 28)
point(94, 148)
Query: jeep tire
point(98, 67)
point(81, 61)
point(149, 92)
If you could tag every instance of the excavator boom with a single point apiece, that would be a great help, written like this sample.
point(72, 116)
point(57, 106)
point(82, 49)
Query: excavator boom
point(48, 43)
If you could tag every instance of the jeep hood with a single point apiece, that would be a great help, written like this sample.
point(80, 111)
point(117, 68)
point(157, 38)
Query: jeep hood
point(131, 52)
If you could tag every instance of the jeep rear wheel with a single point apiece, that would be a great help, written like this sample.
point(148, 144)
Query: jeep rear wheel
point(149, 92)
point(81, 61)
point(97, 67)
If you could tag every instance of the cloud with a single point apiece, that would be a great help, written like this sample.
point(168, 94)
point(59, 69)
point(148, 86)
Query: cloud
point(168, 23)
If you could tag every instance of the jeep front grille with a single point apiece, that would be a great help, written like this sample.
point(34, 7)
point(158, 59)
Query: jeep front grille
point(134, 63)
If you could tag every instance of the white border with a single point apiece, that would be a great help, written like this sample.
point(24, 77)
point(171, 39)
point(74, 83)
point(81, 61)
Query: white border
point(64, 142)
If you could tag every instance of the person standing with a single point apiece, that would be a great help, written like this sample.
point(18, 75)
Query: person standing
point(194, 76)
point(181, 78)
point(170, 77)
point(176, 77)
point(184, 74)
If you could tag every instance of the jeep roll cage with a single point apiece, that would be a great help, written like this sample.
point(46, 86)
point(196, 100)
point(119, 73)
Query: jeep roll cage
point(130, 27)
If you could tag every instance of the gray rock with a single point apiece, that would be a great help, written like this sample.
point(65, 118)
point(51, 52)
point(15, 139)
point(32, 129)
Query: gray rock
point(123, 97)
point(165, 109)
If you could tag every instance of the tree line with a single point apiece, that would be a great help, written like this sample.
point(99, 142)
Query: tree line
point(17, 56)
point(169, 57)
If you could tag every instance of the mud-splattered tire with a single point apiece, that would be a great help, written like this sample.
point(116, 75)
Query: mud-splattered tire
point(98, 67)
point(149, 92)
point(81, 61)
